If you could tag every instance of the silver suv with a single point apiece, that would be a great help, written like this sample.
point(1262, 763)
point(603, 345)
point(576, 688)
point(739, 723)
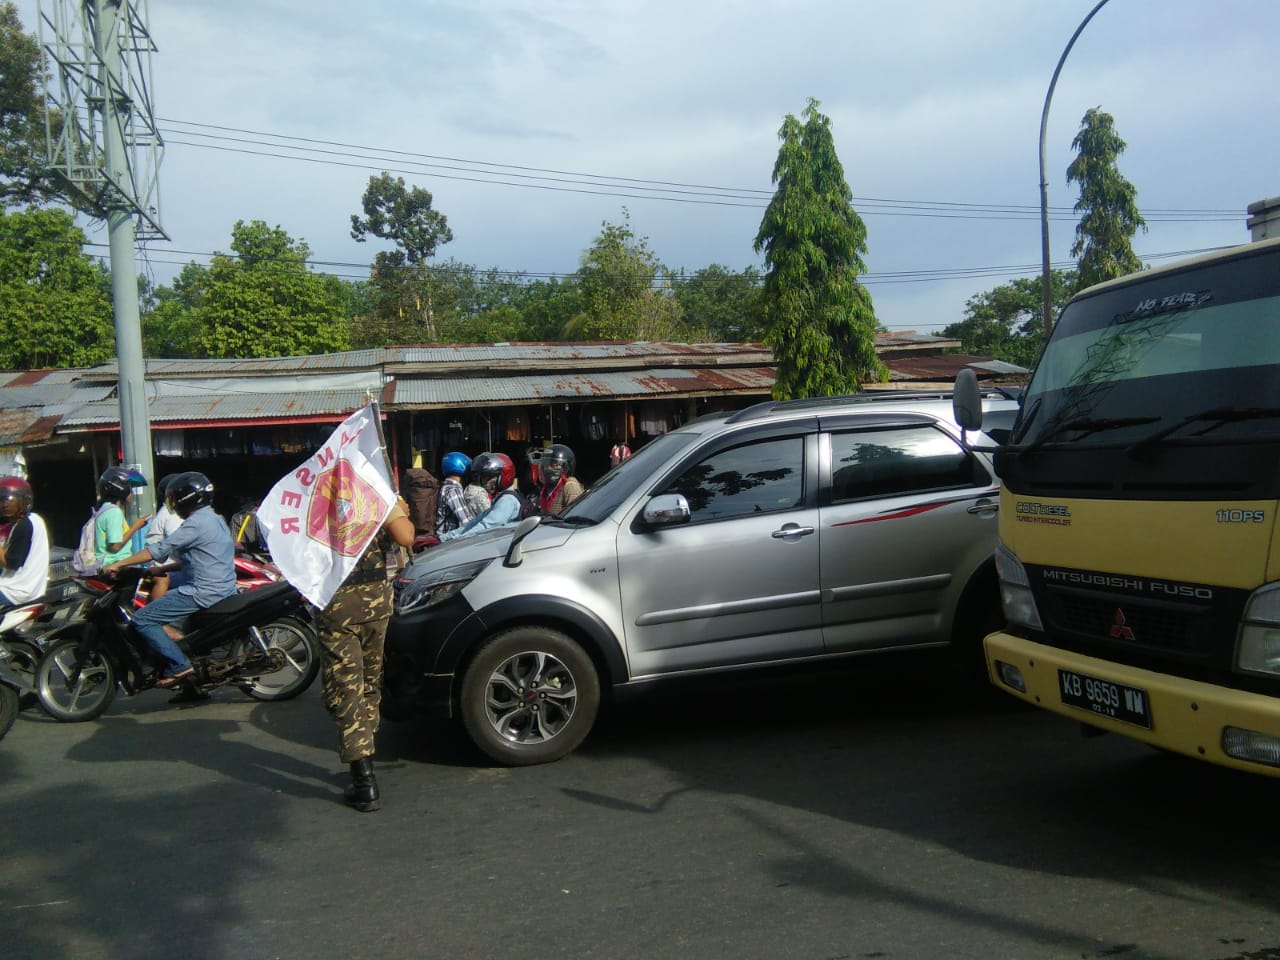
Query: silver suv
point(788, 531)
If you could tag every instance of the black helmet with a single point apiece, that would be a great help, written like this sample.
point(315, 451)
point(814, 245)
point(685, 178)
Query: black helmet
point(557, 461)
point(116, 483)
point(496, 467)
point(188, 492)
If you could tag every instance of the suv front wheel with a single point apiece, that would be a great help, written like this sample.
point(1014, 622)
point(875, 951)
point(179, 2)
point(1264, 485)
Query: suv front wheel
point(529, 696)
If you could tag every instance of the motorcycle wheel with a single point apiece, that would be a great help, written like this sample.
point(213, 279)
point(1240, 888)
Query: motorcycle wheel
point(72, 688)
point(8, 708)
point(300, 647)
point(22, 660)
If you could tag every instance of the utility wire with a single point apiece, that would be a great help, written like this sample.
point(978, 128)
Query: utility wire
point(579, 182)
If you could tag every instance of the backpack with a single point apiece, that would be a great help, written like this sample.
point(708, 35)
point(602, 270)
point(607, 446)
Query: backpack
point(85, 559)
point(528, 504)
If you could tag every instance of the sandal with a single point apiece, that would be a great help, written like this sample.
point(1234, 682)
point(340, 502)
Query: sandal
point(177, 678)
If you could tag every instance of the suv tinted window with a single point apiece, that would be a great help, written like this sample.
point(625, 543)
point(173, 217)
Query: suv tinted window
point(879, 463)
point(761, 477)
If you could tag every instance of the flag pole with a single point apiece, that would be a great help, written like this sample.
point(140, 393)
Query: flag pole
point(382, 442)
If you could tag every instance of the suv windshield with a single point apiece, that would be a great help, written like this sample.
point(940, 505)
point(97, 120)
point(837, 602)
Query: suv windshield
point(623, 480)
point(1182, 357)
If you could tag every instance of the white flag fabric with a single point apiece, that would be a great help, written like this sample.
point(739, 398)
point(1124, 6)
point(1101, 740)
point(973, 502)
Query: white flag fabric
point(320, 518)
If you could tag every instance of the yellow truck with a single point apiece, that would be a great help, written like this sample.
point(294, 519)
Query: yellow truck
point(1138, 559)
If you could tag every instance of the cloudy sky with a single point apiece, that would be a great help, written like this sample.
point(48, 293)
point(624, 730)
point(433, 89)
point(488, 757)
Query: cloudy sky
point(532, 123)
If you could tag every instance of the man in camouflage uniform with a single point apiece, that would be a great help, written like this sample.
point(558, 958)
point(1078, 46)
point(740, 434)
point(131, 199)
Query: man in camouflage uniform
point(352, 630)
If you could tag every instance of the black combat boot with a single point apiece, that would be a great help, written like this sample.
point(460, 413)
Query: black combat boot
point(363, 793)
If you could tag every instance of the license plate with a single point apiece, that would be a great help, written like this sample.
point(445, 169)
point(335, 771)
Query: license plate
point(1105, 698)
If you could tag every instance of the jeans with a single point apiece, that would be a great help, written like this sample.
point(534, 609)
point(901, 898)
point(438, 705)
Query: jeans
point(150, 621)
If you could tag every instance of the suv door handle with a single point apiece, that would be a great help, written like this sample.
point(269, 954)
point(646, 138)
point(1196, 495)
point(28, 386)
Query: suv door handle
point(985, 506)
point(791, 530)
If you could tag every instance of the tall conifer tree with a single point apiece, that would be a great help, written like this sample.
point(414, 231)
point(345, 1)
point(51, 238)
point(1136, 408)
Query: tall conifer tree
point(819, 319)
point(1107, 206)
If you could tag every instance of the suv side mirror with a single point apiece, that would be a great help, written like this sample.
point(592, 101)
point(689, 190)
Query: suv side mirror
point(666, 510)
point(515, 552)
point(966, 401)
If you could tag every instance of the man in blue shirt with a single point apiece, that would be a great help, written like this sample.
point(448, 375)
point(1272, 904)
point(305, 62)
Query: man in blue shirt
point(203, 547)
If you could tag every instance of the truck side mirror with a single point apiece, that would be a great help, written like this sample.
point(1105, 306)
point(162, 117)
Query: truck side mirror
point(966, 401)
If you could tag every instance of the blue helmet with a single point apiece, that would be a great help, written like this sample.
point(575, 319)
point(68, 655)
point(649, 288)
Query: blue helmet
point(455, 464)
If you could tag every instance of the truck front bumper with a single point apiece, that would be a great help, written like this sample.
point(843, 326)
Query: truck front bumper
point(1232, 728)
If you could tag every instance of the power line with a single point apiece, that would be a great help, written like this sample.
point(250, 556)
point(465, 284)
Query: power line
point(316, 151)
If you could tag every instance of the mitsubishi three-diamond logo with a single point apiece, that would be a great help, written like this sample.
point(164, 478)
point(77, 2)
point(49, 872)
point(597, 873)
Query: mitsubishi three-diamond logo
point(344, 511)
point(1118, 629)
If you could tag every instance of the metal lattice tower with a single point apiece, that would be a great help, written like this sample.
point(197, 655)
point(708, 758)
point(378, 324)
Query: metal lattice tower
point(100, 92)
point(103, 142)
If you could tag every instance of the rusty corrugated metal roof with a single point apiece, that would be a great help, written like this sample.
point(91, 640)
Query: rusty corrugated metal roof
point(25, 426)
point(457, 391)
point(222, 407)
point(943, 367)
point(527, 355)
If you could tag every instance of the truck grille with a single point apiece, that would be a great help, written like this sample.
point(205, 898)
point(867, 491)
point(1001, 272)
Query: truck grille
point(1186, 632)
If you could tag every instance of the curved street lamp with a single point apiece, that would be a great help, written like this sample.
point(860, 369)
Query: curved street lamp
point(1047, 296)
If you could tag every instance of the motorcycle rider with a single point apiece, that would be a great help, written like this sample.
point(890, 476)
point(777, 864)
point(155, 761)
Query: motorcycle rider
point(111, 533)
point(206, 553)
point(24, 556)
point(558, 487)
point(497, 474)
point(452, 508)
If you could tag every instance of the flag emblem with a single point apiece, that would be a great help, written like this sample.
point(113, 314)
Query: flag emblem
point(345, 511)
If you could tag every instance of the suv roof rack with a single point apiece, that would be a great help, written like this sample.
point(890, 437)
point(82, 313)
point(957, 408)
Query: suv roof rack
point(769, 407)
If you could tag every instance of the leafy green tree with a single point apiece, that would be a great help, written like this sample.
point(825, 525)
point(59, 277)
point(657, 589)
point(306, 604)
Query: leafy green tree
point(548, 307)
point(172, 315)
point(54, 308)
point(625, 290)
point(1107, 206)
point(728, 306)
point(1005, 322)
point(819, 319)
point(402, 293)
point(258, 301)
point(23, 177)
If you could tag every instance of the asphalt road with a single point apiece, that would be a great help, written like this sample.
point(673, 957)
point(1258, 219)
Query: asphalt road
point(871, 812)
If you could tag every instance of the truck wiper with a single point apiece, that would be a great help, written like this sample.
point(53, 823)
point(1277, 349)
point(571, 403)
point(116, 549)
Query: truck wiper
point(1215, 417)
point(1086, 426)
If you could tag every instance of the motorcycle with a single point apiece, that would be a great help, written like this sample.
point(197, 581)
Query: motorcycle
point(19, 627)
point(10, 692)
point(66, 600)
point(261, 640)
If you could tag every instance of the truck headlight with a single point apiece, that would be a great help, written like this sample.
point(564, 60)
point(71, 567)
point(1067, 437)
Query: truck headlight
point(438, 586)
point(1258, 650)
point(1015, 591)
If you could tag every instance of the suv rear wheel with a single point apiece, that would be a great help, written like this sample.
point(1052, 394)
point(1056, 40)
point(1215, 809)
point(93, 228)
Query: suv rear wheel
point(529, 696)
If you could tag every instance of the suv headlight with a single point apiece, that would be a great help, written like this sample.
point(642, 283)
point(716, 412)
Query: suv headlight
point(438, 586)
point(1015, 590)
point(1259, 648)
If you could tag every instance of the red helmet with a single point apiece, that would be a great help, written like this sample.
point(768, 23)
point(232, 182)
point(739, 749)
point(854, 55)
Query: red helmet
point(15, 488)
point(494, 466)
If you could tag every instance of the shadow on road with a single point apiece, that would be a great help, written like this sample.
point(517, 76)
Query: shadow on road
point(900, 744)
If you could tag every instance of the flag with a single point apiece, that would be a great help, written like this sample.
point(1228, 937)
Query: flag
point(320, 518)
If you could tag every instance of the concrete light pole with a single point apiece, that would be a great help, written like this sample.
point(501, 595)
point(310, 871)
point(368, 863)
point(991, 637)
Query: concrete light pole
point(1047, 295)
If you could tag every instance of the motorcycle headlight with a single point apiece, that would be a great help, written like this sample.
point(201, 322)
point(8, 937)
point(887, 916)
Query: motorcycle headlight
point(438, 586)
point(1015, 590)
point(1258, 650)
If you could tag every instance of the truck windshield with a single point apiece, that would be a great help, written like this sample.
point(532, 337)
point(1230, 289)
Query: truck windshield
point(1187, 357)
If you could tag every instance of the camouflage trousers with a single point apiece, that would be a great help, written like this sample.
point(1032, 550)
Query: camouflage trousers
point(352, 630)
